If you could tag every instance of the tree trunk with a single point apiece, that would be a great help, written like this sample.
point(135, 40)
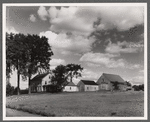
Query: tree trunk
point(18, 83)
point(29, 85)
point(71, 77)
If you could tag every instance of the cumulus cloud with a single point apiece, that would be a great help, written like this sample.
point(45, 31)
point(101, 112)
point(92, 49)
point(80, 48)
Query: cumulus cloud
point(91, 75)
point(56, 62)
point(32, 18)
point(137, 79)
point(42, 12)
point(120, 17)
point(52, 12)
point(69, 43)
point(103, 59)
point(12, 30)
point(135, 66)
point(121, 47)
point(108, 60)
point(84, 20)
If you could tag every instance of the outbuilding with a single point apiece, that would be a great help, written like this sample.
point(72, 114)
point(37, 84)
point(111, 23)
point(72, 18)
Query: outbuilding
point(87, 85)
point(70, 87)
point(107, 81)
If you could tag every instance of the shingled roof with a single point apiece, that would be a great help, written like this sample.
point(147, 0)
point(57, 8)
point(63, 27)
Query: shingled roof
point(71, 84)
point(89, 82)
point(39, 77)
point(114, 78)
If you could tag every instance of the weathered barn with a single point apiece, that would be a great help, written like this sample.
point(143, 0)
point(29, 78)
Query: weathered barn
point(87, 85)
point(107, 81)
point(39, 82)
point(70, 87)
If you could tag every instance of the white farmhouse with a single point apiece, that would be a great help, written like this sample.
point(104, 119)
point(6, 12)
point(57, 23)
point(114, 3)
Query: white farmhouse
point(39, 82)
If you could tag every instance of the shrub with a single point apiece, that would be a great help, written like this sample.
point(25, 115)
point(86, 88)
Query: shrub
point(9, 89)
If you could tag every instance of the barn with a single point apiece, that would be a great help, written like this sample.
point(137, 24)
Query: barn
point(70, 87)
point(106, 82)
point(87, 85)
point(40, 81)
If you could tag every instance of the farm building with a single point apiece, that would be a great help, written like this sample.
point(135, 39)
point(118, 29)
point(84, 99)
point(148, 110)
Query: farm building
point(87, 85)
point(39, 82)
point(70, 87)
point(107, 81)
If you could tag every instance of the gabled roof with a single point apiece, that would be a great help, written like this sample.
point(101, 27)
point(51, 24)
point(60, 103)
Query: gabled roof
point(89, 82)
point(39, 77)
point(113, 78)
point(70, 84)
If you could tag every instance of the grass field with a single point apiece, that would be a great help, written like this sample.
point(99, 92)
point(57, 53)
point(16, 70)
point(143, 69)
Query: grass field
point(96, 104)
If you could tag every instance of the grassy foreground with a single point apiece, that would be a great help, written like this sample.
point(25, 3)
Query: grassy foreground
point(96, 104)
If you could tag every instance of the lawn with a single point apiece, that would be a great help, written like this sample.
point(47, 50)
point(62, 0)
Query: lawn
point(96, 104)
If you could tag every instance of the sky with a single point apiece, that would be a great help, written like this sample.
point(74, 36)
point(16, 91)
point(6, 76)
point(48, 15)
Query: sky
point(102, 39)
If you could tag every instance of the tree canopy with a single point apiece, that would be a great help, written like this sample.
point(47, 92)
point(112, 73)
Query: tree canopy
point(74, 70)
point(61, 75)
point(15, 55)
point(27, 54)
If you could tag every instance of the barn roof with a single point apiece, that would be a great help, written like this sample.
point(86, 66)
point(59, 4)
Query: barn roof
point(39, 77)
point(70, 84)
point(89, 82)
point(113, 78)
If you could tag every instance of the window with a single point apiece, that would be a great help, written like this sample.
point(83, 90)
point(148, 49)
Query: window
point(87, 88)
point(45, 82)
point(70, 88)
point(103, 79)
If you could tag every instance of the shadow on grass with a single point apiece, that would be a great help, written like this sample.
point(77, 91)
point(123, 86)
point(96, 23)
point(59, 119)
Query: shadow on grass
point(21, 108)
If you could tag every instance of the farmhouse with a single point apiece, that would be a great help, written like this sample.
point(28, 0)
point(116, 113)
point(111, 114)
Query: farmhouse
point(39, 82)
point(106, 82)
point(87, 85)
point(70, 87)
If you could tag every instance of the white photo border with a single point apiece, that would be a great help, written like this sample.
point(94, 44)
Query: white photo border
point(4, 5)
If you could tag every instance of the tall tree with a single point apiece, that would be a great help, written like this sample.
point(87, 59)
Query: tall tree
point(38, 53)
point(9, 44)
point(15, 54)
point(74, 70)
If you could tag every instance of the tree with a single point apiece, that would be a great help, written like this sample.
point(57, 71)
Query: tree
point(128, 83)
point(141, 87)
point(74, 70)
point(9, 44)
point(59, 78)
point(62, 73)
point(37, 56)
point(15, 54)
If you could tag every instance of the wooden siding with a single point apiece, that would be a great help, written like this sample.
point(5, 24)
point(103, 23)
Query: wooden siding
point(91, 87)
point(70, 88)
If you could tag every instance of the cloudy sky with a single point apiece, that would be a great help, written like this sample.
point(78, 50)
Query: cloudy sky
point(103, 39)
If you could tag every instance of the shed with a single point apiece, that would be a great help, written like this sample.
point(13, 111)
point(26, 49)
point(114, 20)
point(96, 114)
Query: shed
point(87, 85)
point(70, 87)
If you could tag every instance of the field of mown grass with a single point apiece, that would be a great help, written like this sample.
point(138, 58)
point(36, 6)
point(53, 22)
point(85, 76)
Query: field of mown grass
point(96, 104)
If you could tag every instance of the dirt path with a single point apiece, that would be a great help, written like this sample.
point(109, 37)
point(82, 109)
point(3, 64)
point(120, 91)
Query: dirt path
point(16, 113)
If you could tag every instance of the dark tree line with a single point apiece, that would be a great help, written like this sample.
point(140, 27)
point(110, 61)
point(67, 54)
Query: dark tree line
point(138, 87)
point(26, 54)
